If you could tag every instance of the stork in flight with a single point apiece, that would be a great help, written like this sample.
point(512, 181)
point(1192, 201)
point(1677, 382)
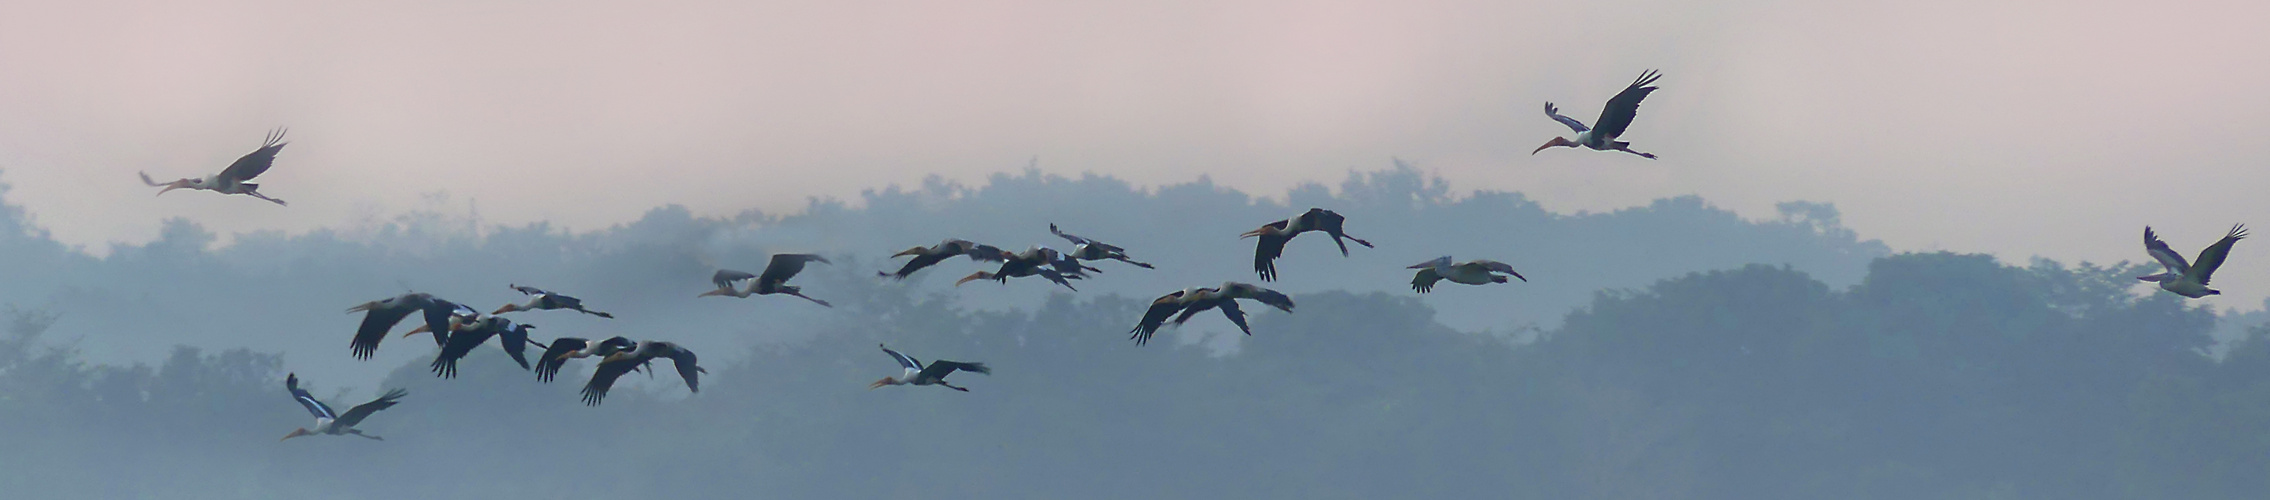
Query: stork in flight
point(934, 254)
point(1614, 118)
point(1472, 272)
point(1087, 249)
point(932, 374)
point(232, 180)
point(2189, 279)
point(334, 423)
point(381, 315)
point(615, 365)
point(1191, 301)
point(773, 281)
point(1274, 235)
point(542, 300)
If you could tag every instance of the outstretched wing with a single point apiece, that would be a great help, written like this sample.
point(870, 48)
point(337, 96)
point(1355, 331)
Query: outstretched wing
point(785, 266)
point(359, 412)
point(1425, 281)
point(1263, 295)
point(688, 365)
point(725, 277)
point(549, 364)
point(1555, 112)
point(2160, 252)
point(905, 361)
point(375, 324)
point(1162, 308)
point(529, 290)
point(938, 370)
point(1617, 115)
point(514, 340)
point(1266, 249)
point(2212, 257)
point(292, 383)
point(603, 377)
point(437, 313)
point(258, 161)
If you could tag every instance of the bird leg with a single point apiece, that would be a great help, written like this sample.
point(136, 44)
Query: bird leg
point(822, 303)
point(360, 433)
point(952, 386)
point(1627, 147)
point(256, 194)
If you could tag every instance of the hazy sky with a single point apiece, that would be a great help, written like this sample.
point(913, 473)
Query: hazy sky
point(2019, 128)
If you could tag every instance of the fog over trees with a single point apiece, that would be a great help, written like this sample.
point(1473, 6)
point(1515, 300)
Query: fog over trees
point(1667, 351)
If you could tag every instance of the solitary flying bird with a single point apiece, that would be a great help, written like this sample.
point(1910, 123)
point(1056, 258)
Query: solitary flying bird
point(1472, 272)
point(334, 423)
point(232, 180)
point(1614, 118)
point(1274, 235)
point(933, 374)
point(773, 281)
point(2189, 279)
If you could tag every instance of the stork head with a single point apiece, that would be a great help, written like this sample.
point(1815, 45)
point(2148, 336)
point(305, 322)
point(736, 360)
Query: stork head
point(296, 433)
point(1556, 142)
point(885, 381)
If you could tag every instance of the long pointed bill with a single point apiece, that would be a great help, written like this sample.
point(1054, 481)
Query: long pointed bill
point(507, 308)
point(1557, 141)
point(714, 293)
point(418, 330)
point(295, 433)
point(173, 186)
point(879, 383)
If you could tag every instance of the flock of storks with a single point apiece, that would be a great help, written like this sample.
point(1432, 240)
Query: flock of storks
point(457, 329)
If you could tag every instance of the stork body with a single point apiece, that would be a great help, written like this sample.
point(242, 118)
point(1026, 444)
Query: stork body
point(233, 180)
point(934, 373)
point(1038, 261)
point(1615, 117)
point(562, 349)
point(328, 422)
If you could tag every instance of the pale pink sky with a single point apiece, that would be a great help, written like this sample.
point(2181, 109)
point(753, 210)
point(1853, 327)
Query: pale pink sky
point(2019, 128)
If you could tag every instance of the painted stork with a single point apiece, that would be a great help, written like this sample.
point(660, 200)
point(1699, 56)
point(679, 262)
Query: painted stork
point(1225, 298)
point(382, 315)
point(232, 180)
point(933, 374)
point(513, 337)
point(1614, 118)
point(543, 300)
point(1038, 261)
point(1087, 249)
point(1472, 272)
point(2189, 279)
point(1274, 235)
point(773, 281)
point(615, 365)
point(334, 423)
point(562, 349)
point(934, 254)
